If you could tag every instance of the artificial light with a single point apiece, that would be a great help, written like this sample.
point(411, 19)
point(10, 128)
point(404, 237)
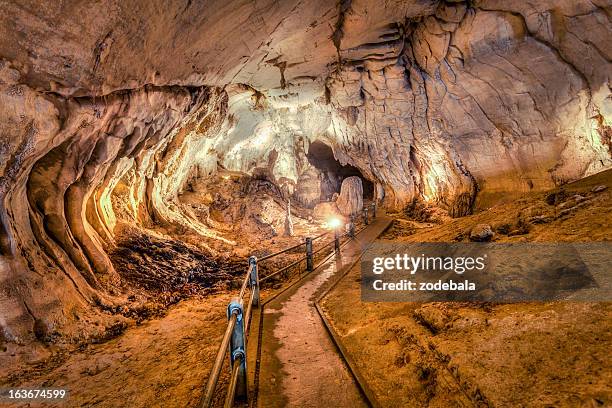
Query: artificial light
point(334, 223)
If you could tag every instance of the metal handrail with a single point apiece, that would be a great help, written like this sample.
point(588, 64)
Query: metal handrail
point(283, 269)
point(245, 283)
point(326, 245)
point(213, 378)
point(263, 258)
point(302, 259)
point(231, 388)
point(216, 370)
point(235, 310)
point(247, 316)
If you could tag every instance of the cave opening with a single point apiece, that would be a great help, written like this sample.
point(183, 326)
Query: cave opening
point(321, 156)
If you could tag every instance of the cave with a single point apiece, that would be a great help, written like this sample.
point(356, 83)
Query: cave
point(229, 199)
point(333, 173)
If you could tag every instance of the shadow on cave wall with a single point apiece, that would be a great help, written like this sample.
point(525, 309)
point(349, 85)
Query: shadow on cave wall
point(332, 172)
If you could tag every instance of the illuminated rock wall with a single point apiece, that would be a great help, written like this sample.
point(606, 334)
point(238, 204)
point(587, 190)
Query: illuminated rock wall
point(108, 109)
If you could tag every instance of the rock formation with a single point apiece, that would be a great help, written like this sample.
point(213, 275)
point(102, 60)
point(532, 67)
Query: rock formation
point(108, 109)
point(350, 201)
point(288, 221)
point(481, 233)
point(308, 188)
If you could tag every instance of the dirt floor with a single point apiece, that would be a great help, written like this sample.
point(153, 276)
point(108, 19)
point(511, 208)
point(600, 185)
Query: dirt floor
point(506, 355)
point(159, 363)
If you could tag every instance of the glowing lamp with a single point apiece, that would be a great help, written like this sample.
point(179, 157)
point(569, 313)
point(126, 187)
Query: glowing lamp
point(334, 223)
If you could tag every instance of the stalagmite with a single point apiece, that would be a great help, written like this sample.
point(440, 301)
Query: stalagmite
point(288, 221)
point(350, 201)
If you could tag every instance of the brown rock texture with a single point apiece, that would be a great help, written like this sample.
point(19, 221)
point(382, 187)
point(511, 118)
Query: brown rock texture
point(481, 233)
point(115, 104)
point(350, 200)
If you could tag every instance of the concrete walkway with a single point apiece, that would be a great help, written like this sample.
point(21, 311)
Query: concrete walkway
point(300, 365)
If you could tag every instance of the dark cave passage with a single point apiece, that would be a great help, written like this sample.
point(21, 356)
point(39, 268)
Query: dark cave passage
point(333, 172)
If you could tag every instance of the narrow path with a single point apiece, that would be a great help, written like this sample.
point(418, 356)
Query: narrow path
point(300, 365)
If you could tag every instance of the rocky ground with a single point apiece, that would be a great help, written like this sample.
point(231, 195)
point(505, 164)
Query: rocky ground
point(527, 354)
point(575, 212)
point(159, 363)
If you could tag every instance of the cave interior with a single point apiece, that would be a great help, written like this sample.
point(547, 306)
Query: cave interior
point(332, 173)
point(149, 148)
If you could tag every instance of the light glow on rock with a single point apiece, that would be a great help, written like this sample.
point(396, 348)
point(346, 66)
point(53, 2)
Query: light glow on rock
point(334, 223)
point(261, 138)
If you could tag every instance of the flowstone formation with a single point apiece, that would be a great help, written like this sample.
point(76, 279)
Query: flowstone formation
point(350, 200)
point(109, 110)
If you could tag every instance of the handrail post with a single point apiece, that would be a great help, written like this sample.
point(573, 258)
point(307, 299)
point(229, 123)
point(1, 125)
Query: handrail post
point(337, 239)
point(351, 229)
point(365, 216)
point(309, 260)
point(254, 279)
point(237, 351)
point(373, 209)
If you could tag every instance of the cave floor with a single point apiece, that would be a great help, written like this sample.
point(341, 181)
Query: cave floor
point(454, 354)
point(531, 354)
point(159, 363)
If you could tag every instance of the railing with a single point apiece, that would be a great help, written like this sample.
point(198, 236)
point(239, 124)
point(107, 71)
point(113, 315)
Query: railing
point(308, 257)
point(236, 334)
